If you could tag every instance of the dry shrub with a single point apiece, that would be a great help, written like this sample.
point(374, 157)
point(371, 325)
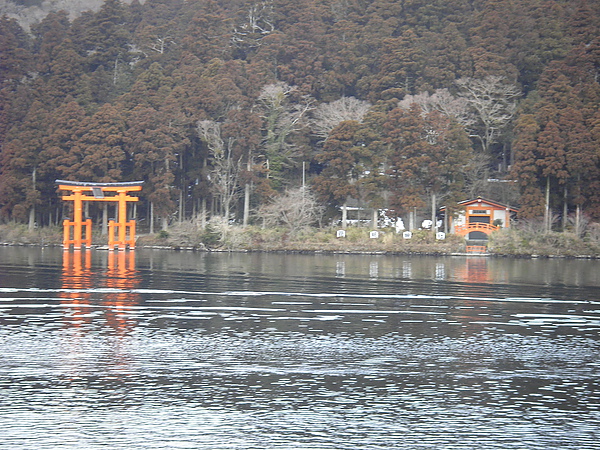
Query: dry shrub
point(296, 209)
point(18, 233)
point(592, 234)
point(526, 240)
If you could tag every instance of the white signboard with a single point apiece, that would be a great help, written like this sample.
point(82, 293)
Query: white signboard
point(440, 235)
point(374, 234)
point(407, 235)
point(341, 233)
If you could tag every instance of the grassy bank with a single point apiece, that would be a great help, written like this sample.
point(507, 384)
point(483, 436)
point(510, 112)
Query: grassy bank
point(217, 237)
point(514, 242)
point(526, 242)
point(20, 234)
point(309, 240)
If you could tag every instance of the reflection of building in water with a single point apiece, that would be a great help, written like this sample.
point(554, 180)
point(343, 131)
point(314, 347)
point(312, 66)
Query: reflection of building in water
point(472, 312)
point(440, 271)
point(98, 300)
point(374, 269)
point(121, 276)
point(406, 269)
point(475, 270)
point(96, 295)
point(340, 269)
point(76, 285)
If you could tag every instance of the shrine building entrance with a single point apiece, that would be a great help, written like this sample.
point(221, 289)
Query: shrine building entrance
point(78, 232)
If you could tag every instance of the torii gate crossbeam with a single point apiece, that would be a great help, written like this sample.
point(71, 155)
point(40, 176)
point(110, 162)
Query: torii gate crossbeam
point(80, 192)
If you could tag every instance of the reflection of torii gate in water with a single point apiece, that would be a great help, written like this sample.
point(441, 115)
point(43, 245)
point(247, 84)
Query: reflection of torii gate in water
point(118, 192)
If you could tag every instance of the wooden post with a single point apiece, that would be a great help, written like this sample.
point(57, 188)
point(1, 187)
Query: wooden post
point(122, 219)
point(78, 216)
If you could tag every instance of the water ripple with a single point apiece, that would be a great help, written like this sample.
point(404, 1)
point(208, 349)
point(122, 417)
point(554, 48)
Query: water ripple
point(261, 359)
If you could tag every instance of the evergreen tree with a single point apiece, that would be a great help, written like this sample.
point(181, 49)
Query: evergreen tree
point(551, 148)
point(100, 146)
point(20, 160)
point(525, 169)
point(428, 155)
point(346, 160)
point(15, 60)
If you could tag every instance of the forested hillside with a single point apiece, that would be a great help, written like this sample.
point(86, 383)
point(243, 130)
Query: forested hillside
point(221, 106)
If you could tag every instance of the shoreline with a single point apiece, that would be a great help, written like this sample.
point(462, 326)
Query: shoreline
point(188, 237)
point(175, 248)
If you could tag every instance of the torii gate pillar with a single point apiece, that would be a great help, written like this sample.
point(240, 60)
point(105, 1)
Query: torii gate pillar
point(118, 192)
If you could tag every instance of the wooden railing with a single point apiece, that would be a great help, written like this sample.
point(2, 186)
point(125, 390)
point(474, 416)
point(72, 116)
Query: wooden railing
point(476, 249)
point(486, 228)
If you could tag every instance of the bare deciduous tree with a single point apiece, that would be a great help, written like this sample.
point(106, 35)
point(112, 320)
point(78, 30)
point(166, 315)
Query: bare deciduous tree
point(160, 43)
point(257, 24)
point(224, 176)
point(494, 102)
point(296, 209)
point(443, 101)
point(327, 116)
point(476, 175)
point(282, 119)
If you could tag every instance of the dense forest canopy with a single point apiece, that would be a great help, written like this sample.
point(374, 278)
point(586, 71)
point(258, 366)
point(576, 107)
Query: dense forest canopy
point(221, 106)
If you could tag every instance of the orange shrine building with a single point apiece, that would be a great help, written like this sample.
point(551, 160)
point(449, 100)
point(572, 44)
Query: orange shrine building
point(479, 217)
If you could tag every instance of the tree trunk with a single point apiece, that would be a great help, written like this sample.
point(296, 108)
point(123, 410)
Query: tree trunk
point(31, 225)
point(433, 211)
point(181, 193)
point(116, 71)
point(226, 208)
point(446, 221)
point(181, 206)
point(151, 217)
point(547, 207)
point(565, 210)
point(344, 215)
point(374, 220)
point(578, 220)
point(246, 204)
point(247, 198)
point(413, 219)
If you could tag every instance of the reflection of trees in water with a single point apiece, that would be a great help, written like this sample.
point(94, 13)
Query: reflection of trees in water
point(307, 266)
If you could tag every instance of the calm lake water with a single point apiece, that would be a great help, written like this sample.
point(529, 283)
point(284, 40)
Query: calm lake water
point(176, 350)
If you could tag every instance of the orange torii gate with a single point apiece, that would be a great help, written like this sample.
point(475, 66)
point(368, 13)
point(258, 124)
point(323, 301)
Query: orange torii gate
point(73, 229)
